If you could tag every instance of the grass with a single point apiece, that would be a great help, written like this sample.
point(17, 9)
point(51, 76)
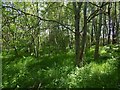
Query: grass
point(59, 71)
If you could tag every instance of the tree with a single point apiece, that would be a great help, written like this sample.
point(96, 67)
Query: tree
point(77, 8)
point(84, 33)
point(52, 27)
point(98, 33)
point(109, 16)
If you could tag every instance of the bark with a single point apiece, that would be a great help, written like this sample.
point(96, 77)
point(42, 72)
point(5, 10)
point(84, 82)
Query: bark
point(96, 54)
point(84, 33)
point(92, 31)
point(113, 32)
point(77, 7)
point(113, 26)
point(109, 16)
point(117, 25)
point(104, 30)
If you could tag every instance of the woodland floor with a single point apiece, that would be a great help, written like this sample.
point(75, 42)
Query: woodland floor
point(59, 71)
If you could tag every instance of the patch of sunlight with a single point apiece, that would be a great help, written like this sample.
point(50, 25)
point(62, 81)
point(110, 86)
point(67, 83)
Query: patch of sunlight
point(92, 49)
point(14, 80)
point(102, 51)
point(95, 68)
point(46, 55)
point(73, 75)
point(71, 52)
point(115, 48)
point(72, 82)
point(72, 79)
point(21, 64)
point(78, 68)
point(105, 68)
point(51, 72)
point(106, 47)
point(18, 65)
point(5, 83)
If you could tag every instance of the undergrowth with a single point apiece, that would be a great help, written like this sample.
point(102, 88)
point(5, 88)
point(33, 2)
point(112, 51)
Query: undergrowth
point(59, 71)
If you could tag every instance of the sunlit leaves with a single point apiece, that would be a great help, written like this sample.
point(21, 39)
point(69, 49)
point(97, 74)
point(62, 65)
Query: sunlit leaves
point(54, 67)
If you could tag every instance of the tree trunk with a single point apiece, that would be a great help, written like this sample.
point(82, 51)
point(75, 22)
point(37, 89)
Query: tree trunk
point(77, 7)
point(113, 26)
point(84, 33)
point(36, 38)
point(109, 16)
point(117, 26)
point(117, 20)
point(92, 31)
point(104, 29)
point(113, 32)
point(96, 54)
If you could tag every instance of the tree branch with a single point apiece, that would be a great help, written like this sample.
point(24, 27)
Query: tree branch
point(64, 25)
point(95, 12)
point(94, 4)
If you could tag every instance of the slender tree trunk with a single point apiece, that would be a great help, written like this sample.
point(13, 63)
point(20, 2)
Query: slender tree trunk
point(77, 7)
point(92, 31)
point(113, 26)
point(104, 29)
point(109, 16)
point(84, 32)
point(113, 32)
point(93, 27)
point(117, 26)
point(71, 40)
point(98, 33)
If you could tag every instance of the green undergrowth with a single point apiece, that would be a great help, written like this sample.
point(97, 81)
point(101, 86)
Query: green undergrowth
point(59, 71)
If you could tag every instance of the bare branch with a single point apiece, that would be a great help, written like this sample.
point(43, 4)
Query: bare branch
point(94, 14)
point(94, 4)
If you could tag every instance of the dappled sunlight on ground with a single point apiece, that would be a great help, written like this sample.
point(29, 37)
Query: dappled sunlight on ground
point(59, 71)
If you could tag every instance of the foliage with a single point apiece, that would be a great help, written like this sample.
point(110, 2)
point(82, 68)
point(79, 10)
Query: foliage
point(60, 45)
point(58, 71)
